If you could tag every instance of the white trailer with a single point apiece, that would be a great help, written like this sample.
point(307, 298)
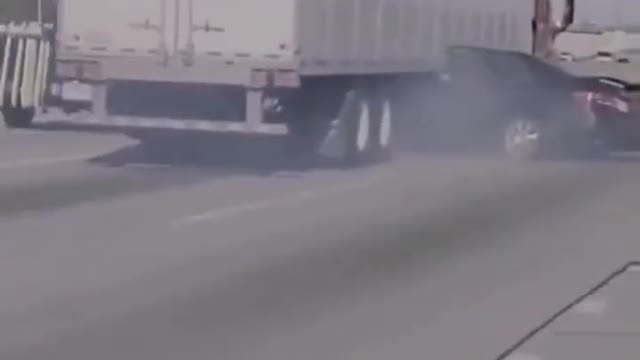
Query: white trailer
point(322, 71)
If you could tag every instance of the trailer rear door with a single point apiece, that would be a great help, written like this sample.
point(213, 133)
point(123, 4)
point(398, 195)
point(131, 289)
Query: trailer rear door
point(205, 29)
point(237, 29)
point(117, 27)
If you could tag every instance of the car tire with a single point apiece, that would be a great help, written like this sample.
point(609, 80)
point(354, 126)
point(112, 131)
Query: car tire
point(523, 138)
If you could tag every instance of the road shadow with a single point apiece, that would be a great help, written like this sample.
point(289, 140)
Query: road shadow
point(213, 153)
point(157, 160)
point(266, 156)
point(227, 153)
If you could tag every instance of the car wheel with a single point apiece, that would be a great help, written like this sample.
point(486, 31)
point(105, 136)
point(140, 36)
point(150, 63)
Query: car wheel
point(523, 138)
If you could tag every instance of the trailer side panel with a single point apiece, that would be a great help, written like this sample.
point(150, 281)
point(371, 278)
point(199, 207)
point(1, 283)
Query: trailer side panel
point(388, 36)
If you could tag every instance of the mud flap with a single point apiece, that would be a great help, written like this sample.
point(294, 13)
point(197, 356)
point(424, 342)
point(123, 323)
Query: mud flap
point(335, 144)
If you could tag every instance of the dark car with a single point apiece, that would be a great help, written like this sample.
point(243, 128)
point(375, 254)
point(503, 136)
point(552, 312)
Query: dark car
point(528, 107)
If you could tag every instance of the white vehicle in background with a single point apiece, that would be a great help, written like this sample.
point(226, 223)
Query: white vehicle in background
point(330, 74)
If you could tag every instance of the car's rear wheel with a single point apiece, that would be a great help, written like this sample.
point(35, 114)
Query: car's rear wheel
point(523, 138)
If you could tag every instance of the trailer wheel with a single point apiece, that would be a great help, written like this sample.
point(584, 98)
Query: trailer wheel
point(340, 129)
point(383, 127)
point(358, 136)
point(18, 118)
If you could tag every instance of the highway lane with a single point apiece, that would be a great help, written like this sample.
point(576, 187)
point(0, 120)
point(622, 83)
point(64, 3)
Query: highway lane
point(428, 257)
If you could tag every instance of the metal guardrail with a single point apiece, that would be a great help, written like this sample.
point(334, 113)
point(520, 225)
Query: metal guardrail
point(25, 52)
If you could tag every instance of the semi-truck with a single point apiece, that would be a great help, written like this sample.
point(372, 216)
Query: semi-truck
point(333, 76)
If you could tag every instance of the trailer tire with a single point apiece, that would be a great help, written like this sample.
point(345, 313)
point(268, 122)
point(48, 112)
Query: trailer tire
point(18, 118)
point(383, 128)
point(340, 128)
point(357, 114)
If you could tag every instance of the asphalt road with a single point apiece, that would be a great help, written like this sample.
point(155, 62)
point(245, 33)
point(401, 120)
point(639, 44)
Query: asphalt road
point(192, 247)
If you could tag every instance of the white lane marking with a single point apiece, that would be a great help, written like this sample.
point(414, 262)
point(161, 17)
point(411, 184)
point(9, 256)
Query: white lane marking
point(290, 198)
point(46, 161)
point(523, 356)
point(591, 307)
point(634, 268)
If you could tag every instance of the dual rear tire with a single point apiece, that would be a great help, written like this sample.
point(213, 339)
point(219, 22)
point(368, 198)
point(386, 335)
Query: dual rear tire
point(360, 129)
point(369, 122)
